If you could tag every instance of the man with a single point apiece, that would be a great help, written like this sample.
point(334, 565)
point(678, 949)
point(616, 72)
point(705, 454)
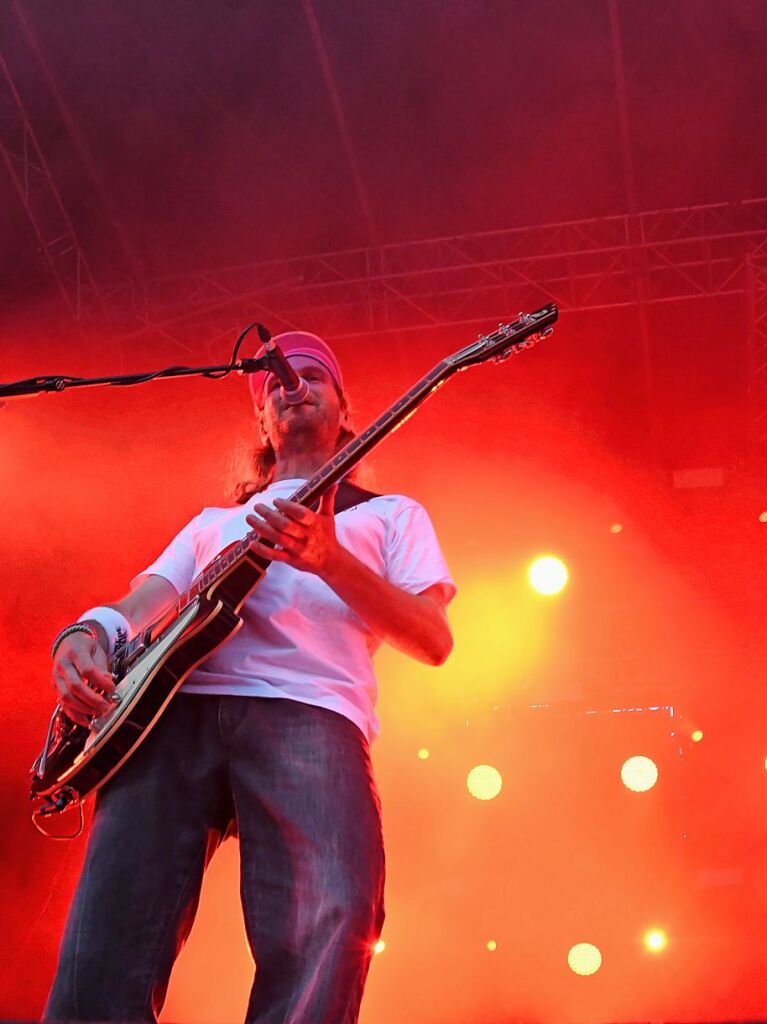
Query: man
point(268, 738)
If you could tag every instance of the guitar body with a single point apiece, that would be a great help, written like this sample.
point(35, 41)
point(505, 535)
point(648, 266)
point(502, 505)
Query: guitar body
point(80, 760)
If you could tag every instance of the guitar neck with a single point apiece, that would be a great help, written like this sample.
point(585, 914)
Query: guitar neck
point(240, 566)
point(347, 458)
point(237, 569)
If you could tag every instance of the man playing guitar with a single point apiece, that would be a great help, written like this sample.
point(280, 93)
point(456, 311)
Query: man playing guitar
point(268, 738)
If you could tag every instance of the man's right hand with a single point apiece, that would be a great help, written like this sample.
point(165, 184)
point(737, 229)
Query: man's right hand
point(80, 671)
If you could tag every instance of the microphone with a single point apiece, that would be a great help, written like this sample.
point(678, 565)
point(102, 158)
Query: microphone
point(295, 389)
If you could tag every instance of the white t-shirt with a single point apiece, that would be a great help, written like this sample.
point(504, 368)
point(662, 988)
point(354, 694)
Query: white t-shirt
point(299, 640)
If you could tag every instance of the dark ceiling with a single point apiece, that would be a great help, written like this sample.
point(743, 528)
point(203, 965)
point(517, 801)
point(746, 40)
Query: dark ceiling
point(193, 135)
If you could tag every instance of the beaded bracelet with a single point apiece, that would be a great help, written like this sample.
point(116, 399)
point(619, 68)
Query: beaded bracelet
point(78, 627)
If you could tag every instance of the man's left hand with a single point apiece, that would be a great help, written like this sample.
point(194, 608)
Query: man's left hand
point(306, 540)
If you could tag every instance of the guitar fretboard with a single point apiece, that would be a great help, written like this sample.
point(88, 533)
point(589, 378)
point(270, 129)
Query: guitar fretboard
point(334, 469)
point(498, 345)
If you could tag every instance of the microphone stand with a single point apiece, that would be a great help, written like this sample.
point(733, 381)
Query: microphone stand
point(57, 383)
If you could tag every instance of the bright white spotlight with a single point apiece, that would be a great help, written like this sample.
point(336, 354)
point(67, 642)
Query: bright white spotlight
point(655, 940)
point(484, 782)
point(584, 959)
point(639, 773)
point(547, 575)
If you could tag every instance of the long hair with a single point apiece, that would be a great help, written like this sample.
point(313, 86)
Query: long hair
point(254, 461)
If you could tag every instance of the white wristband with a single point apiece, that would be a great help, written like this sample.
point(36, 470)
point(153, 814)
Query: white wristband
point(114, 624)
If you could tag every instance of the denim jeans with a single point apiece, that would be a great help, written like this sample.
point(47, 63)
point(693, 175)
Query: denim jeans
point(295, 782)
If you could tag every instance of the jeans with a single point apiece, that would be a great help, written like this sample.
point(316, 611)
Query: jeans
point(295, 781)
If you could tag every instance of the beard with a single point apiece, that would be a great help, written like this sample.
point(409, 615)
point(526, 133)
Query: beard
point(303, 428)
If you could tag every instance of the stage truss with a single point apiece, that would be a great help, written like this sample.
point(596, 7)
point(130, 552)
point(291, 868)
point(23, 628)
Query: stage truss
point(640, 260)
point(633, 260)
point(661, 256)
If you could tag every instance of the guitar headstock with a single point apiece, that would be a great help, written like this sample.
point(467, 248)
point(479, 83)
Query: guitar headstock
point(525, 331)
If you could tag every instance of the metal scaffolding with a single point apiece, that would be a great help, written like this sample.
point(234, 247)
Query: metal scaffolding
point(632, 260)
point(757, 349)
point(39, 195)
point(684, 253)
point(639, 260)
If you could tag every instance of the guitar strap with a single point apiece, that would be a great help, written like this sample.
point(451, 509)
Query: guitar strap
point(347, 496)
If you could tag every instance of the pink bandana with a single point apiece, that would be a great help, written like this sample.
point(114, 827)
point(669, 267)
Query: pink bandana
point(296, 343)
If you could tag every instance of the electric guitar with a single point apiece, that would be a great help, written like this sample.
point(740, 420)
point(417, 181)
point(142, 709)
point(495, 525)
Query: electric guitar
point(149, 669)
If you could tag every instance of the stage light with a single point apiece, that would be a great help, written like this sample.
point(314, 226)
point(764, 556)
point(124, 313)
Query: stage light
point(492, 945)
point(423, 754)
point(616, 528)
point(484, 782)
point(584, 959)
point(379, 947)
point(547, 575)
point(763, 517)
point(697, 736)
point(639, 774)
point(655, 940)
